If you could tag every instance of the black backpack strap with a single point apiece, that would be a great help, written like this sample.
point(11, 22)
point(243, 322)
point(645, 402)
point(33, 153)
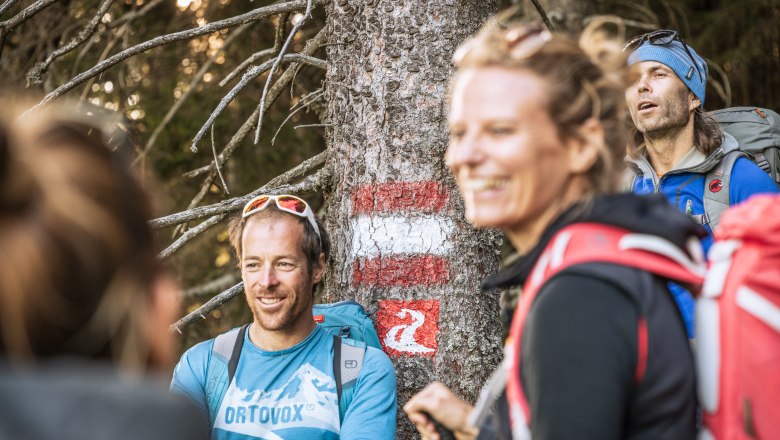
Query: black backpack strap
point(337, 365)
point(236, 353)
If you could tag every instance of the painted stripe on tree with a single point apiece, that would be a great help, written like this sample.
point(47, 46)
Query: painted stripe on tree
point(379, 235)
point(423, 196)
point(408, 328)
point(416, 270)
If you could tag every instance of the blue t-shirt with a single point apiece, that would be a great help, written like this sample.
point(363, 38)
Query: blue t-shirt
point(291, 393)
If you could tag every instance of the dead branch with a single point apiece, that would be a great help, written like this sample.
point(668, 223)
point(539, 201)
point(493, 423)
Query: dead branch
point(190, 88)
point(127, 19)
point(206, 308)
point(35, 74)
point(190, 234)
point(279, 58)
point(8, 4)
point(104, 65)
point(543, 14)
point(9, 25)
point(254, 57)
point(214, 286)
point(311, 47)
point(251, 74)
point(311, 183)
point(305, 101)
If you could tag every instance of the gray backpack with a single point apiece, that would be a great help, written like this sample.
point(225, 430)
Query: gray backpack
point(757, 131)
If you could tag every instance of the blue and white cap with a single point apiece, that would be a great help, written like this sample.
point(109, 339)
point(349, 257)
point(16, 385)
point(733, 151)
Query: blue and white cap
point(676, 58)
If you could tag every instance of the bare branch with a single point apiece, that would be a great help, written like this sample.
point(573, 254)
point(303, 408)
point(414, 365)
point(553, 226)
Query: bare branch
point(135, 13)
point(303, 104)
point(312, 125)
point(279, 57)
point(9, 25)
point(35, 74)
point(245, 80)
point(311, 183)
point(543, 14)
point(104, 65)
point(255, 56)
point(311, 47)
point(8, 4)
point(190, 234)
point(190, 88)
point(210, 305)
point(214, 286)
point(127, 19)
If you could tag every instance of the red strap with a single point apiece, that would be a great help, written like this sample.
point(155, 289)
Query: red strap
point(577, 244)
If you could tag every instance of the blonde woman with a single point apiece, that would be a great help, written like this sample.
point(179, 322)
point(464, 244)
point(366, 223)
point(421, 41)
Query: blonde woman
point(597, 349)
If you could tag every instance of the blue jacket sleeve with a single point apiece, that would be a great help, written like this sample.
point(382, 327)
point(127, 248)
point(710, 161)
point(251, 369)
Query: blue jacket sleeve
point(372, 412)
point(748, 179)
point(189, 376)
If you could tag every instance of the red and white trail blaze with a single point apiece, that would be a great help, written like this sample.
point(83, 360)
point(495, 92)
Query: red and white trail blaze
point(402, 239)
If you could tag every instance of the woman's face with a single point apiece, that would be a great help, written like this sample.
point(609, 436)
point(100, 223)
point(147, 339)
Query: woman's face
point(505, 152)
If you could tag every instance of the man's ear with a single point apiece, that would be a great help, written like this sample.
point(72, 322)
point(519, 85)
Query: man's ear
point(584, 150)
point(319, 269)
point(694, 102)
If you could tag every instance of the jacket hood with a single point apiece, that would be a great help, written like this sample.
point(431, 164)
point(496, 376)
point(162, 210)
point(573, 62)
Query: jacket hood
point(693, 162)
point(648, 214)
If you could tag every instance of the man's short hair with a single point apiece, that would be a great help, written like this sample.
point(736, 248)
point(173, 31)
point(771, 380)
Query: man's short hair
point(312, 244)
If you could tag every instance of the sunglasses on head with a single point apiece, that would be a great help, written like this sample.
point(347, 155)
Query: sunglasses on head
point(294, 205)
point(662, 38)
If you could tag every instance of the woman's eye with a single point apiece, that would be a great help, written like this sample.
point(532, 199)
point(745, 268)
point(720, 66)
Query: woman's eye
point(501, 131)
point(456, 134)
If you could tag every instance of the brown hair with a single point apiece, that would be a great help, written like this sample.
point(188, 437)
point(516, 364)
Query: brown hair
point(77, 257)
point(313, 244)
point(707, 135)
point(586, 79)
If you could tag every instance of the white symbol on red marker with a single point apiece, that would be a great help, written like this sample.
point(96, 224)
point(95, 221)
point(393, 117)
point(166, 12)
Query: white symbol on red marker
point(408, 327)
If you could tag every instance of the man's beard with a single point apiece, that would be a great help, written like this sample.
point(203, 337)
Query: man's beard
point(288, 317)
point(672, 120)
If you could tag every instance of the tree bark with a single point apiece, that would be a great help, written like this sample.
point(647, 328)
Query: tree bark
point(401, 245)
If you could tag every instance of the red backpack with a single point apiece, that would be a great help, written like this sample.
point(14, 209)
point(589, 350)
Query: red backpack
point(589, 243)
point(738, 325)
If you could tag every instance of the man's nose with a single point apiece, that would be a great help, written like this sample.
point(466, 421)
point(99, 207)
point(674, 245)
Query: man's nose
point(643, 85)
point(268, 278)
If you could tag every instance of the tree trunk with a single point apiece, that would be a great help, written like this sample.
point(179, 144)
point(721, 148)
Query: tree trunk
point(401, 246)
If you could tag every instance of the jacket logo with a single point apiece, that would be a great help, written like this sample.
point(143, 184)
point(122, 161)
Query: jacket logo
point(350, 363)
point(716, 185)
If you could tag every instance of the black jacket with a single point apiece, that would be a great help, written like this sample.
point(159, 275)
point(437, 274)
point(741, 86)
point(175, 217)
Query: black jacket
point(580, 342)
point(77, 400)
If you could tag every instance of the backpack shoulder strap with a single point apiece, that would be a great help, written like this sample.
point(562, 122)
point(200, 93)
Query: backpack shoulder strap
point(716, 189)
point(222, 367)
point(348, 356)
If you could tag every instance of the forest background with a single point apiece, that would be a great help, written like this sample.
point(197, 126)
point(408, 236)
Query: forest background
point(175, 72)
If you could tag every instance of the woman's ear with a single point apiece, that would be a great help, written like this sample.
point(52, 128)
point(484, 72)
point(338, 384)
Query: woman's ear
point(584, 149)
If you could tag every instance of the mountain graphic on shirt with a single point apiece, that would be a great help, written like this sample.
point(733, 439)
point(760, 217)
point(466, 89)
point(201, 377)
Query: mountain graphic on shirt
point(306, 400)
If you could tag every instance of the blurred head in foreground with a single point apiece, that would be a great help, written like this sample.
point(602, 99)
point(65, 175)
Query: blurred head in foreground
point(79, 276)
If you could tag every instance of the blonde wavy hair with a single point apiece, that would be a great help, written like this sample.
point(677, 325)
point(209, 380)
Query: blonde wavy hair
point(586, 79)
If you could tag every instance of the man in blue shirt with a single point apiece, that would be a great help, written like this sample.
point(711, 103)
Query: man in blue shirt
point(674, 144)
point(284, 385)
